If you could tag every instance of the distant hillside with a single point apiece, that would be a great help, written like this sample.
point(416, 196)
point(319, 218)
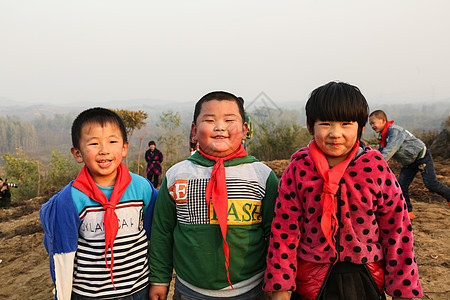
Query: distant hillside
point(414, 116)
point(53, 122)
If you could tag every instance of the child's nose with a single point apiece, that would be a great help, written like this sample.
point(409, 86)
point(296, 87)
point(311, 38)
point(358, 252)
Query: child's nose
point(335, 131)
point(104, 149)
point(220, 125)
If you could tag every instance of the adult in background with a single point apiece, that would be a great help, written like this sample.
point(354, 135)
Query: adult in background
point(154, 158)
point(5, 194)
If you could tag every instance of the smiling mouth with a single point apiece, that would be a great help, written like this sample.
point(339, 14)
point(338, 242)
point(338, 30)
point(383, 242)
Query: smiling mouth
point(104, 163)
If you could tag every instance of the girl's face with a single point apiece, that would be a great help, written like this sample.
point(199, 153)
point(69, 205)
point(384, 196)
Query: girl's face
point(219, 129)
point(335, 138)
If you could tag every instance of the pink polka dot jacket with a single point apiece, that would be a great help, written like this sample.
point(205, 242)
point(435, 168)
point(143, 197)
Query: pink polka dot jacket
point(373, 224)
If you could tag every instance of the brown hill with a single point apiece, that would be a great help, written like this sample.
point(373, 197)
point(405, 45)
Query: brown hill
point(24, 262)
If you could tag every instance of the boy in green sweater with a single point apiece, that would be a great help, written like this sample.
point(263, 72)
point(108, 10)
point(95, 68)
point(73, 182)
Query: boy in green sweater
point(214, 211)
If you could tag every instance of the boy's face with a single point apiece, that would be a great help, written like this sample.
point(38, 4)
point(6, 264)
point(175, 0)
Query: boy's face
point(335, 138)
point(377, 124)
point(219, 129)
point(102, 150)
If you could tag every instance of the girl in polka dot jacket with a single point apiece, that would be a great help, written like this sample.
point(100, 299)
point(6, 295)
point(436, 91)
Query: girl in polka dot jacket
point(341, 228)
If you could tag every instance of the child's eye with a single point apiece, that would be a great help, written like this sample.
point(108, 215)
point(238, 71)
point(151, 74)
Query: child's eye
point(93, 144)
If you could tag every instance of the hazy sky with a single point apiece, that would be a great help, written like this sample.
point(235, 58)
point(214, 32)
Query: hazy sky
point(54, 51)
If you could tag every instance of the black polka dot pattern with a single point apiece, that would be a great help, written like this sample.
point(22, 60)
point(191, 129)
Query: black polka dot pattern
point(373, 224)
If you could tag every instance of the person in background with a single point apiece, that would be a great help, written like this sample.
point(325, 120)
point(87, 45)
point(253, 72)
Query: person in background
point(97, 228)
point(5, 194)
point(341, 230)
point(154, 158)
point(214, 212)
point(398, 143)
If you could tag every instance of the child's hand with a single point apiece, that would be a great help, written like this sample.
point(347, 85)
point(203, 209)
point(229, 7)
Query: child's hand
point(158, 292)
point(282, 295)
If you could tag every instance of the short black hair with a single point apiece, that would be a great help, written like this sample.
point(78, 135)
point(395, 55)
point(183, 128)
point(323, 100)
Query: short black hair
point(379, 114)
point(337, 101)
point(151, 143)
point(96, 115)
point(219, 96)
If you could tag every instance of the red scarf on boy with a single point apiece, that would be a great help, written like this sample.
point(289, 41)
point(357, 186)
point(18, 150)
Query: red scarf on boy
point(216, 190)
point(331, 177)
point(86, 184)
point(384, 132)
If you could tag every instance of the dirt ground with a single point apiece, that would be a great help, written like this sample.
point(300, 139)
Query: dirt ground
point(24, 270)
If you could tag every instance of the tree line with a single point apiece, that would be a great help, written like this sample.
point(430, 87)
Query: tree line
point(36, 155)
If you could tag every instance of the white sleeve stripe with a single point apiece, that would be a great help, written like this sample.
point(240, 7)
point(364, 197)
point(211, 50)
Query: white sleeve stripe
point(64, 274)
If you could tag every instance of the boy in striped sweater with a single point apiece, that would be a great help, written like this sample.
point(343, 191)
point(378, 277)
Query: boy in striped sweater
point(97, 228)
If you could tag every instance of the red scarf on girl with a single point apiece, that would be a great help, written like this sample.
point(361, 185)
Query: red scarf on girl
point(216, 190)
point(384, 132)
point(331, 177)
point(86, 184)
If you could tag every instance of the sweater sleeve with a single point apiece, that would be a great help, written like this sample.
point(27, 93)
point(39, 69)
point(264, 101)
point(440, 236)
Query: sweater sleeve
point(282, 255)
point(60, 221)
point(269, 202)
point(161, 243)
point(396, 236)
point(148, 212)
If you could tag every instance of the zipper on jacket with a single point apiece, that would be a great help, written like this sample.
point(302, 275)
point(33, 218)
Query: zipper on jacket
point(380, 295)
point(338, 217)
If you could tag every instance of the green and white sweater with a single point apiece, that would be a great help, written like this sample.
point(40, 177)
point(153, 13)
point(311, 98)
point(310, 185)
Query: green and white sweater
point(185, 238)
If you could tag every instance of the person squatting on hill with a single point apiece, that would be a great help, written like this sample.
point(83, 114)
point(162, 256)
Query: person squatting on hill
point(97, 228)
point(154, 158)
point(410, 152)
point(5, 194)
point(214, 211)
point(341, 228)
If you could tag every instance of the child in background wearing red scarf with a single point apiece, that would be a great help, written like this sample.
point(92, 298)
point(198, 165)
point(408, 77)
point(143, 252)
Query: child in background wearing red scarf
point(97, 228)
point(341, 228)
point(400, 144)
point(214, 212)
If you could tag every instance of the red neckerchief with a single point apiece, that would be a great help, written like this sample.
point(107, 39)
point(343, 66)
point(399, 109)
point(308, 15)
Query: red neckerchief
point(384, 132)
point(331, 177)
point(216, 190)
point(86, 184)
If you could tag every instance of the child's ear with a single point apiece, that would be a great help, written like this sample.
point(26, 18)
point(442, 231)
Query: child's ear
point(311, 130)
point(194, 132)
point(77, 155)
point(244, 131)
point(125, 149)
point(364, 128)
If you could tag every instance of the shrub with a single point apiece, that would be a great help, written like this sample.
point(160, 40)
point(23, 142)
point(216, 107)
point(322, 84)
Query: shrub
point(62, 169)
point(22, 170)
point(277, 141)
